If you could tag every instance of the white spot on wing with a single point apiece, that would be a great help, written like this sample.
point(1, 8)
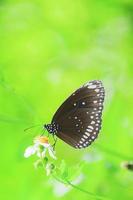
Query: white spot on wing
point(92, 122)
point(87, 134)
point(92, 86)
point(89, 130)
point(96, 90)
point(84, 136)
point(91, 127)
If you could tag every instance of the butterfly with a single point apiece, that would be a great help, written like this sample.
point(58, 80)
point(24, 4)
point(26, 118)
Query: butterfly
point(78, 120)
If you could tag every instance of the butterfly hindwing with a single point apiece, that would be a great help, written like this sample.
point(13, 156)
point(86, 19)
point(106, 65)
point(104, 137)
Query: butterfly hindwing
point(79, 117)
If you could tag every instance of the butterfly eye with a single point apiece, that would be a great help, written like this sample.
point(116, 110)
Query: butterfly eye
point(78, 120)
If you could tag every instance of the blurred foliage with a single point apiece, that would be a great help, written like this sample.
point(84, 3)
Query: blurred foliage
point(47, 50)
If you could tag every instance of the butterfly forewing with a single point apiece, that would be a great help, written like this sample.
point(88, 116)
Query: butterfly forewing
point(79, 117)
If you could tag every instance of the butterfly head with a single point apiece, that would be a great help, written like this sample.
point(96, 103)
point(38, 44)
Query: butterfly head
point(51, 128)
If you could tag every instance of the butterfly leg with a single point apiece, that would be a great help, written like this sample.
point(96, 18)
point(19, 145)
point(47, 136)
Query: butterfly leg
point(48, 135)
point(55, 140)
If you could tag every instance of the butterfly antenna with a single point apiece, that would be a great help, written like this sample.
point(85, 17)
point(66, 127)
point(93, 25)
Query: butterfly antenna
point(32, 127)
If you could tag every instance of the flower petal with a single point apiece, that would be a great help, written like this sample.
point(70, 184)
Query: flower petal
point(29, 151)
point(52, 152)
point(46, 145)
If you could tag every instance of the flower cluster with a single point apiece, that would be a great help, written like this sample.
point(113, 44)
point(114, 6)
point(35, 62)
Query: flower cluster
point(40, 147)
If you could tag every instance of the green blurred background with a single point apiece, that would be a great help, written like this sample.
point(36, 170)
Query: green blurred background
point(47, 50)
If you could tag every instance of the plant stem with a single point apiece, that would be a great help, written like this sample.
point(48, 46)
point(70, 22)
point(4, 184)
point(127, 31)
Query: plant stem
point(85, 191)
point(98, 197)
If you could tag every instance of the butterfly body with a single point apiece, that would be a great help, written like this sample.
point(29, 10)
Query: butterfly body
point(78, 119)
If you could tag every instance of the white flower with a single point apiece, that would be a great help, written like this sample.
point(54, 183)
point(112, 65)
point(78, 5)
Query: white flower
point(29, 151)
point(39, 148)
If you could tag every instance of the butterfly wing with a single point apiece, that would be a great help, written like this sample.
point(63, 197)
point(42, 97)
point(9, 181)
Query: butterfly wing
point(79, 117)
